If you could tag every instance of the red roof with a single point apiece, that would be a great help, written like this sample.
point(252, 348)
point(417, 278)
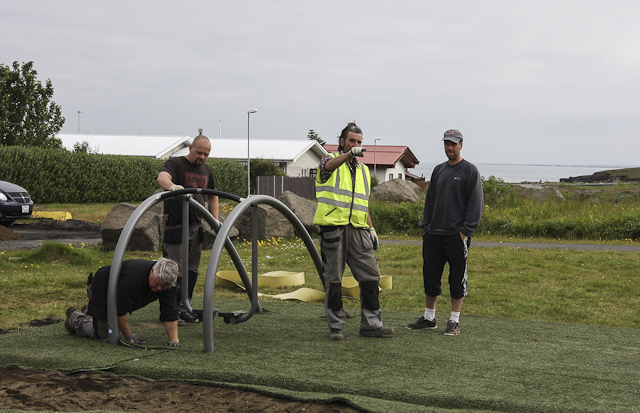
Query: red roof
point(385, 155)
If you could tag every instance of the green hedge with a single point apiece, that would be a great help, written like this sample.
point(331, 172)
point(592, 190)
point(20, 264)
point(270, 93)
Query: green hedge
point(397, 218)
point(60, 176)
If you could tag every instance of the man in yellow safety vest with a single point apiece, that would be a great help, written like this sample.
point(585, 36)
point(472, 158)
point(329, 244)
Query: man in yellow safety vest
point(347, 235)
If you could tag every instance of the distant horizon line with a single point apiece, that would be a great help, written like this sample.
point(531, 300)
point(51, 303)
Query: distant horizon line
point(540, 164)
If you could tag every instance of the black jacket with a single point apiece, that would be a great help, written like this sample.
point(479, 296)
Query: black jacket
point(133, 292)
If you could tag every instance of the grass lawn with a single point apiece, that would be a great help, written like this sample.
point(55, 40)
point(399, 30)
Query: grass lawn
point(542, 330)
point(496, 364)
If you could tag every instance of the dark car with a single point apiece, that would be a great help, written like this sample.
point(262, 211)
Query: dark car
point(15, 203)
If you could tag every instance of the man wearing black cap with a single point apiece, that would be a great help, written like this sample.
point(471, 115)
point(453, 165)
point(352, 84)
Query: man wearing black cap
point(452, 211)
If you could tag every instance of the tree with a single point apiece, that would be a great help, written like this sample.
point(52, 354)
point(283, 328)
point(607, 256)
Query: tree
point(312, 135)
point(84, 148)
point(28, 116)
point(264, 167)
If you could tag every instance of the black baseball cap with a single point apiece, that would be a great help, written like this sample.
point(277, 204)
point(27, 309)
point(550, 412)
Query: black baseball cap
point(452, 135)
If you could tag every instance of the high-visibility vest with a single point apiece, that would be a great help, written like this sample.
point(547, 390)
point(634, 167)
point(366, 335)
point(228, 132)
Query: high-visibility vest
point(344, 198)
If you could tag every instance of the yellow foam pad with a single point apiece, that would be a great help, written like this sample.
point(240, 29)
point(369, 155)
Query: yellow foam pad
point(229, 279)
point(274, 279)
point(351, 288)
point(386, 282)
point(55, 215)
point(278, 279)
point(303, 294)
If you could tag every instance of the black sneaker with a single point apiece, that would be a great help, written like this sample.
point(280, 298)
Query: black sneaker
point(336, 335)
point(67, 326)
point(188, 317)
point(378, 332)
point(453, 328)
point(422, 323)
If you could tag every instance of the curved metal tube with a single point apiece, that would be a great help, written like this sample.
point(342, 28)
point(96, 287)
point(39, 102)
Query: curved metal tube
point(231, 249)
point(185, 253)
point(214, 258)
point(125, 236)
point(116, 264)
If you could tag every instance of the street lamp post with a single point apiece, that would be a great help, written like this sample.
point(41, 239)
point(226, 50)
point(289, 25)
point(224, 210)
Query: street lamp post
point(249, 112)
point(375, 147)
point(79, 112)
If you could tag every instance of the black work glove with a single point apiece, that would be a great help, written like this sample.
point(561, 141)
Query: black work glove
point(133, 339)
point(173, 344)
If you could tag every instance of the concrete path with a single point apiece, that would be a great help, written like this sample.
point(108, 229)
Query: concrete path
point(572, 246)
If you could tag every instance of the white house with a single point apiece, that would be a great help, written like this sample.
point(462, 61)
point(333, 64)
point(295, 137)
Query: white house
point(387, 161)
point(296, 157)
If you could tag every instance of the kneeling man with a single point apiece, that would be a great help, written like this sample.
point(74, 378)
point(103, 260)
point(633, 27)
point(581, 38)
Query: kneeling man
point(141, 282)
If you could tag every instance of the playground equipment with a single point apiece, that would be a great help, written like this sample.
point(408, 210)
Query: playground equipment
point(221, 242)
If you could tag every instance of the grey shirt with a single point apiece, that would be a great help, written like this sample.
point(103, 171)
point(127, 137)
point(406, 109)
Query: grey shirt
point(454, 200)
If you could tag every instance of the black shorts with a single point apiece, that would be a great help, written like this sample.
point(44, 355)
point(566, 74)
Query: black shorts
point(437, 250)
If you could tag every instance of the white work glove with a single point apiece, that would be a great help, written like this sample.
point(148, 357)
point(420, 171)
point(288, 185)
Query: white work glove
point(134, 339)
point(176, 187)
point(357, 151)
point(374, 238)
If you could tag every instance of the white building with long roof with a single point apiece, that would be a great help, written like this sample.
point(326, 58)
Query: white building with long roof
point(159, 147)
point(296, 157)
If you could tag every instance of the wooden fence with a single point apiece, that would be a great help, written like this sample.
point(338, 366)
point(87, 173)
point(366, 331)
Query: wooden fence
point(275, 185)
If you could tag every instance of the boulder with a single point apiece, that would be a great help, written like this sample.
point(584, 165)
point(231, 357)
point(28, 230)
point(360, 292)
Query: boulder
point(397, 190)
point(543, 193)
point(146, 235)
point(271, 224)
point(159, 207)
point(304, 209)
point(210, 234)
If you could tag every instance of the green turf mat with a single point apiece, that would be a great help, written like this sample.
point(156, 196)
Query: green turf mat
point(495, 364)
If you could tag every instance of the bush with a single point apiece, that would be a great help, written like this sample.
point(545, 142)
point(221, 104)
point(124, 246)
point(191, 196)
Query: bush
point(496, 191)
point(574, 219)
point(374, 181)
point(230, 176)
point(397, 218)
point(60, 176)
point(262, 167)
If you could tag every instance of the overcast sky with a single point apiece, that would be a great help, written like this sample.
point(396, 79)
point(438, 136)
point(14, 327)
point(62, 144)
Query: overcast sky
point(526, 82)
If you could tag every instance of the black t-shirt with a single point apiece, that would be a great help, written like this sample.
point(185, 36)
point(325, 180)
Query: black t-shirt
point(188, 175)
point(133, 291)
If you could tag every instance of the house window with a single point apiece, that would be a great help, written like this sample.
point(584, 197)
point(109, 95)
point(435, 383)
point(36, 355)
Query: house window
point(391, 177)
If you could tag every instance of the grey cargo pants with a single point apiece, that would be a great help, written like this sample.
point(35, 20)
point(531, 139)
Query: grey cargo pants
point(342, 245)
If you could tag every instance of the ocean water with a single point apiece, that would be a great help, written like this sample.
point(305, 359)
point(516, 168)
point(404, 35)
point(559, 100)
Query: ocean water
point(525, 173)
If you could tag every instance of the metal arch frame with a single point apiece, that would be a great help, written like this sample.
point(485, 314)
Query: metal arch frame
point(125, 236)
point(209, 286)
point(222, 241)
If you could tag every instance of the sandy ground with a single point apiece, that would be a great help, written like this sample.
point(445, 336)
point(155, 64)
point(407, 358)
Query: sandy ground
point(29, 236)
point(38, 390)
